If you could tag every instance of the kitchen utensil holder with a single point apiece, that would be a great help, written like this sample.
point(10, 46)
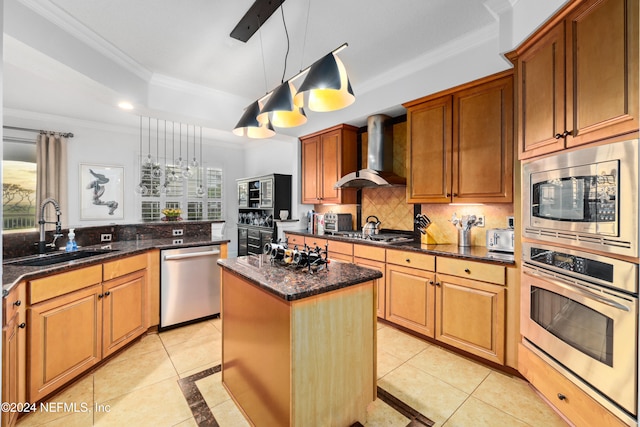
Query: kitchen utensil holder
point(464, 237)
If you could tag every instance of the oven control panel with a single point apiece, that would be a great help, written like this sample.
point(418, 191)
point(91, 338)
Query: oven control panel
point(576, 264)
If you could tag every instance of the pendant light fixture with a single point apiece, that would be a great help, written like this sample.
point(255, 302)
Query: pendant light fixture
point(164, 189)
point(194, 161)
point(141, 189)
point(187, 172)
point(326, 87)
point(281, 108)
point(202, 174)
point(156, 171)
point(172, 176)
point(149, 161)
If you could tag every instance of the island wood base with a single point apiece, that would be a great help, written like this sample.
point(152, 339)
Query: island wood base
point(308, 362)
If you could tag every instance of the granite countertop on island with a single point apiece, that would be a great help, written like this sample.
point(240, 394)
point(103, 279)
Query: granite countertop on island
point(479, 253)
point(290, 283)
point(12, 274)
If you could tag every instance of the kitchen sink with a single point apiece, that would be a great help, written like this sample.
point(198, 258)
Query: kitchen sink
point(58, 257)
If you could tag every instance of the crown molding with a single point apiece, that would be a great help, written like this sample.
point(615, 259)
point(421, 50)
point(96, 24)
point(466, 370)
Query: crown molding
point(67, 23)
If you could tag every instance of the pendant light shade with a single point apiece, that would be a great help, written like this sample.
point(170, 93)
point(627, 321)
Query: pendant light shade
point(327, 85)
point(251, 127)
point(281, 109)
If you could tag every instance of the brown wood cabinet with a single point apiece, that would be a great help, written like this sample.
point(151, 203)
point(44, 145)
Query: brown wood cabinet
point(326, 157)
point(13, 352)
point(580, 408)
point(577, 77)
point(471, 307)
point(460, 144)
point(79, 317)
point(373, 257)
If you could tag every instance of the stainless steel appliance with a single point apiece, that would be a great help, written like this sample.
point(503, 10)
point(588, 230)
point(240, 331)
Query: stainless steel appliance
point(189, 284)
point(586, 198)
point(580, 313)
point(500, 239)
point(334, 222)
point(387, 236)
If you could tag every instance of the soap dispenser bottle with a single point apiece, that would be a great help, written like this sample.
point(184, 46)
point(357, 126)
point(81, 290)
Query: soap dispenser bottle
point(71, 243)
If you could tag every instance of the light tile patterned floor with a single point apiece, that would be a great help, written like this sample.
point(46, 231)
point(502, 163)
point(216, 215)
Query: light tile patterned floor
point(139, 386)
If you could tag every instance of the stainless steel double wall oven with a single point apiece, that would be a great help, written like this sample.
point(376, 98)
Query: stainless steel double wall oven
point(580, 269)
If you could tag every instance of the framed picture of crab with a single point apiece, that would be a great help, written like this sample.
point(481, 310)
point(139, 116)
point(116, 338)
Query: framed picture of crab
point(101, 192)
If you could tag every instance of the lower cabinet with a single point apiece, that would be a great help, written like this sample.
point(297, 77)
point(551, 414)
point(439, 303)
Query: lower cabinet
point(13, 352)
point(470, 316)
point(65, 339)
point(123, 311)
point(380, 283)
point(410, 298)
point(72, 330)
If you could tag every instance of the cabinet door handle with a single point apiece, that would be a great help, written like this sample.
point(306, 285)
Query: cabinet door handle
point(437, 283)
point(466, 270)
point(408, 260)
point(431, 282)
point(562, 135)
point(455, 194)
point(106, 294)
point(448, 195)
point(17, 303)
point(100, 296)
point(561, 396)
point(22, 325)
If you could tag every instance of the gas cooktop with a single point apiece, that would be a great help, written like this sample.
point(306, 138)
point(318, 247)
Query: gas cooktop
point(385, 237)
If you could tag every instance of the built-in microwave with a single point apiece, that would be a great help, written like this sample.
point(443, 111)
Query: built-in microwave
point(586, 198)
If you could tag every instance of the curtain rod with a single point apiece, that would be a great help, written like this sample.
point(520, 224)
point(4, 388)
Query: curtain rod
point(18, 140)
point(64, 134)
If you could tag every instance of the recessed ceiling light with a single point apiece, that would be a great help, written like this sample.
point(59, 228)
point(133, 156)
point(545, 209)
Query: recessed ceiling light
point(125, 105)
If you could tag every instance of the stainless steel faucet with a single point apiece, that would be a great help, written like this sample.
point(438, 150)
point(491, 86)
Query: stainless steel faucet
point(42, 244)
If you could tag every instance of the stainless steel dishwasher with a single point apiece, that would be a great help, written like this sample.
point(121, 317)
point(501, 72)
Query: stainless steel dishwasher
point(189, 284)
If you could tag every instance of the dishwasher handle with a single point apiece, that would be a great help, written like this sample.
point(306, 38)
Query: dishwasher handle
point(191, 255)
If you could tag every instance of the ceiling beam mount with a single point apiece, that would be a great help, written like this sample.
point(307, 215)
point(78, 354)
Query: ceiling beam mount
point(258, 14)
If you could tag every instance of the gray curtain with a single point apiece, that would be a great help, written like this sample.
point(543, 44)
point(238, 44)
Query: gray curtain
point(51, 155)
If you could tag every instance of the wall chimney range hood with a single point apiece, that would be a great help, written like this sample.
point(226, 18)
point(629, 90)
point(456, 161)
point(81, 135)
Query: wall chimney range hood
point(379, 159)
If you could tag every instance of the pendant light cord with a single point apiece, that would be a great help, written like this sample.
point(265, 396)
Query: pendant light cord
point(286, 56)
point(306, 30)
point(264, 67)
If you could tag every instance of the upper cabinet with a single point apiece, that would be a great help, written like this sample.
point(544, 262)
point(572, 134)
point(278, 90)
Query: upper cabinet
point(460, 144)
point(326, 157)
point(577, 77)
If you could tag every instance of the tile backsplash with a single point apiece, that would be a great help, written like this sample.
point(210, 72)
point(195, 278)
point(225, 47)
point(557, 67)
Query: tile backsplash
point(389, 205)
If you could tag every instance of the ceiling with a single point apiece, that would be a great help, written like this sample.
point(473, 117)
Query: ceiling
point(176, 60)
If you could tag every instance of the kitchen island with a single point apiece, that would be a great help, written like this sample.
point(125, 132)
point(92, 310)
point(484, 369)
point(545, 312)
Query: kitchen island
point(299, 348)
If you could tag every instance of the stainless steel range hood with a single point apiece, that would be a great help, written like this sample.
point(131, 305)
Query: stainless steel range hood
point(379, 159)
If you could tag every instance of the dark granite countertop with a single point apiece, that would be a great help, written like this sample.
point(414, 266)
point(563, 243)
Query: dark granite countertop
point(292, 284)
point(477, 253)
point(12, 274)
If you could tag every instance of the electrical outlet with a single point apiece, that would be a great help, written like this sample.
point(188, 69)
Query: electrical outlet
point(105, 237)
point(178, 232)
point(177, 241)
point(480, 221)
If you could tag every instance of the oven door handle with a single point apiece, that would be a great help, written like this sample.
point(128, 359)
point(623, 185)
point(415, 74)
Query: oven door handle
point(581, 291)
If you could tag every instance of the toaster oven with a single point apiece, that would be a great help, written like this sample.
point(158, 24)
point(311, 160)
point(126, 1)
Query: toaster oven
point(334, 222)
point(500, 239)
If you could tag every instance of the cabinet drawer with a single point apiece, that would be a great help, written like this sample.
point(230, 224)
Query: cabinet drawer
point(13, 301)
point(577, 406)
point(313, 241)
point(412, 259)
point(473, 270)
point(340, 257)
point(253, 233)
point(123, 266)
point(340, 247)
point(294, 240)
point(369, 252)
point(63, 283)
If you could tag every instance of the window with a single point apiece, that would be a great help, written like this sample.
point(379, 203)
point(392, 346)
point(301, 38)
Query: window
point(18, 195)
point(182, 193)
